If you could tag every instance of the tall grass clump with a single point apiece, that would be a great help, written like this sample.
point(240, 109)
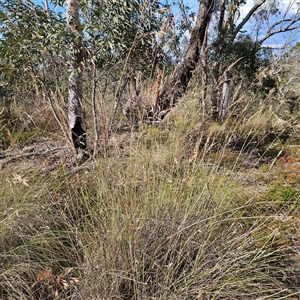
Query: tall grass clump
point(175, 214)
point(38, 248)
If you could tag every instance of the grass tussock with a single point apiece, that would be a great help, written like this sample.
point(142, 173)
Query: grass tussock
point(19, 128)
point(171, 212)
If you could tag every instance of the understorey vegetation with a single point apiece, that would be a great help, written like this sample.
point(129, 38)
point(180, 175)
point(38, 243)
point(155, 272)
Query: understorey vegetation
point(149, 151)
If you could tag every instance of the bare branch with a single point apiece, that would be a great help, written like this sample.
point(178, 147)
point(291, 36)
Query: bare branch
point(248, 16)
point(288, 27)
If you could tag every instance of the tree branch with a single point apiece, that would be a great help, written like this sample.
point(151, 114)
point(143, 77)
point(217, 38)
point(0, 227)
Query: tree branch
point(248, 16)
point(288, 27)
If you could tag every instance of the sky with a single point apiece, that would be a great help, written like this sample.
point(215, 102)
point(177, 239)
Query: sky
point(277, 41)
point(287, 8)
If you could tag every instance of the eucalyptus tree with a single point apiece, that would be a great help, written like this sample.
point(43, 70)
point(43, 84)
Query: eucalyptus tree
point(178, 85)
point(213, 48)
point(235, 49)
point(77, 124)
point(114, 38)
point(26, 33)
point(121, 47)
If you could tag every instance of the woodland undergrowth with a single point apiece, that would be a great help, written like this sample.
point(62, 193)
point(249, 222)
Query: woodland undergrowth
point(188, 209)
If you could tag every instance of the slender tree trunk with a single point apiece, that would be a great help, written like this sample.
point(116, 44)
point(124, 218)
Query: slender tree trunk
point(215, 73)
point(204, 77)
point(169, 96)
point(75, 112)
point(225, 98)
point(94, 107)
point(220, 92)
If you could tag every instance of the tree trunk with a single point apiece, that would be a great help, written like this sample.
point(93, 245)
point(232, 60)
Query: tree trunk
point(215, 72)
point(204, 77)
point(225, 98)
point(75, 112)
point(169, 96)
point(220, 93)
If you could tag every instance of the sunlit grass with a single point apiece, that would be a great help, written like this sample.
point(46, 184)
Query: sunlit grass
point(175, 213)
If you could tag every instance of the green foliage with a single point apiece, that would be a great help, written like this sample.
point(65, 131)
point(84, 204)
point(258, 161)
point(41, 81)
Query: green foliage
point(30, 39)
point(26, 31)
point(254, 57)
point(281, 194)
point(118, 31)
point(115, 33)
point(243, 57)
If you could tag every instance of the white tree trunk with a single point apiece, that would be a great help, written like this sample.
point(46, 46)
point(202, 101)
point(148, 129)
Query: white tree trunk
point(75, 112)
